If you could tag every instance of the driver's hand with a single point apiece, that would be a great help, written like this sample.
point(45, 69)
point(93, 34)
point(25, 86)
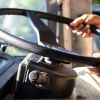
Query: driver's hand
point(81, 25)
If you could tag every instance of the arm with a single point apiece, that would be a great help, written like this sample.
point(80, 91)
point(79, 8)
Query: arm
point(96, 21)
point(81, 25)
point(77, 26)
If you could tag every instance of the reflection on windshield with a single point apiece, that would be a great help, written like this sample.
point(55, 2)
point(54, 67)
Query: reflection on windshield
point(19, 25)
point(3, 62)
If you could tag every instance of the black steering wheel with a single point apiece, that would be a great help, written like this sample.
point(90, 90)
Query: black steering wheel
point(56, 53)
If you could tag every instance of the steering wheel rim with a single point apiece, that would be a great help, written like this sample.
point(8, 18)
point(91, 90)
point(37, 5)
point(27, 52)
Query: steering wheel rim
point(54, 53)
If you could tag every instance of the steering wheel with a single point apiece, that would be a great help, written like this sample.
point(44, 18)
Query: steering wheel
point(56, 53)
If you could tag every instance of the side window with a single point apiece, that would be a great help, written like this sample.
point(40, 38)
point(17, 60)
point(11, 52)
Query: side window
point(96, 39)
point(19, 25)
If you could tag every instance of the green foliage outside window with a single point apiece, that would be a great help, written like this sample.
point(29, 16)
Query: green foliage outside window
point(96, 1)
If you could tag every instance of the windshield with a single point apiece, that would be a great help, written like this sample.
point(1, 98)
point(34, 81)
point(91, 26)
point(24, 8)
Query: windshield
point(2, 62)
point(19, 25)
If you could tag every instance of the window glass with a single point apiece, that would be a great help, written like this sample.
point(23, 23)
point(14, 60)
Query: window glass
point(19, 25)
point(96, 39)
point(3, 62)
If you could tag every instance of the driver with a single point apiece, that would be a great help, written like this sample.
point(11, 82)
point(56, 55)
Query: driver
point(81, 27)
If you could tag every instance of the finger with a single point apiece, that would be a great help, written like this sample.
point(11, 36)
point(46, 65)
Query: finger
point(84, 35)
point(82, 30)
point(87, 35)
point(77, 29)
point(77, 22)
point(68, 27)
point(80, 33)
point(90, 34)
point(91, 19)
point(88, 20)
point(86, 31)
point(74, 31)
